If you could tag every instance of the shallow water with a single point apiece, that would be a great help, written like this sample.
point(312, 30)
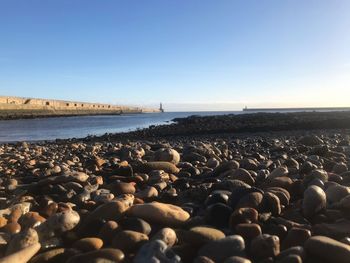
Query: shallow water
point(82, 126)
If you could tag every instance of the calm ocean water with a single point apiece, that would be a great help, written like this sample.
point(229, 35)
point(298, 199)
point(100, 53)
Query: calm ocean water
point(82, 126)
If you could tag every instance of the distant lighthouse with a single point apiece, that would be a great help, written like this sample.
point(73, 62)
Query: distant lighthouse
point(161, 107)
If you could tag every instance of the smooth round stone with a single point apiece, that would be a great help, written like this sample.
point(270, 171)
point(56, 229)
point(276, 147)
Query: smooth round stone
point(23, 255)
point(161, 213)
point(200, 234)
point(22, 240)
point(11, 228)
point(128, 240)
point(297, 250)
point(314, 201)
point(221, 249)
point(147, 193)
point(327, 249)
point(109, 211)
point(87, 244)
point(114, 255)
point(135, 224)
point(47, 256)
point(336, 192)
point(108, 231)
point(236, 259)
point(218, 215)
point(213, 163)
point(167, 235)
point(156, 251)
point(296, 237)
point(279, 172)
point(243, 215)
point(265, 246)
point(272, 203)
point(167, 155)
point(167, 167)
point(252, 200)
point(240, 174)
point(119, 188)
point(282, 194)
point(218, 197)
point(3, 221)
point(248, 231)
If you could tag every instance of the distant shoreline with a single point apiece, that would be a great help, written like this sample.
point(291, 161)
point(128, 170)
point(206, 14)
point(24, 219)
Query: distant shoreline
point(306, 109)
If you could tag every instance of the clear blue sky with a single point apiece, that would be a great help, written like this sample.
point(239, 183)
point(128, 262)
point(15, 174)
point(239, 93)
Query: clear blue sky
point(201, 54)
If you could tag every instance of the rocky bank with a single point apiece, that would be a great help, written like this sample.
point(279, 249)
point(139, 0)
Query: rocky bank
point(153, 196)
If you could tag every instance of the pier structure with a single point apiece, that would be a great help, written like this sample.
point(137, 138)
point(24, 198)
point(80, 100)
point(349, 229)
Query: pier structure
point(21, 107)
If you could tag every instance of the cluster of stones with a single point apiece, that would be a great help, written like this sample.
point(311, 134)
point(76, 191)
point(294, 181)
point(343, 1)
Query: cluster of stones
point(231, 200)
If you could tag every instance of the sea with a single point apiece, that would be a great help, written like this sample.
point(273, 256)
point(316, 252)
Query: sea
point(42, 129)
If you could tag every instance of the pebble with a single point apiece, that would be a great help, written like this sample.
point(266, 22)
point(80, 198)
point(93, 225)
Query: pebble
point(161, 213)
point(23, 255)
point(265, 246)
point(167, 235)
point(221, 249)
point(248, 230)
point(314, 201)
point(296, 237)
point(214, 199)
point(87, 244)
point(167, 155)
point(104, 255)
point(128, 240)
point(135, 224)
point(327, 249)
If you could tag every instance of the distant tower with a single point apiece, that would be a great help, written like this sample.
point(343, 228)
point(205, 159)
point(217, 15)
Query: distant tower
point(161, 107)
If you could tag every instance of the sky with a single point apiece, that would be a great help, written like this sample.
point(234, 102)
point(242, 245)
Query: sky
point(187, 54)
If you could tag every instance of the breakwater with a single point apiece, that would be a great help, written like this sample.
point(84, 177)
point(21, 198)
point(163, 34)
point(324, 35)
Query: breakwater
point(18, 107)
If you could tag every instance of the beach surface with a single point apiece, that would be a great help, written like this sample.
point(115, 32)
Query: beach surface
point(264, 187)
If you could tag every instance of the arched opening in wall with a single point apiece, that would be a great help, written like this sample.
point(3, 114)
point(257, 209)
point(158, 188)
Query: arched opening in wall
point(75, 104)
point(109, 106)
point(82, 105)
point(47, 103)
point(103, 106)
point(98, 106)
point(67, 104)
point(93, 106)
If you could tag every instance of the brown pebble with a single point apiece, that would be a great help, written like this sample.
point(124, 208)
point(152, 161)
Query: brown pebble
point(243, 215)
point(111, 254)
point(108, 231)
point(265, 246)
point(11, 228)
point(128, 240)
point(248, 231)
point(3, 221)
point(88, 244)
point(296, 237)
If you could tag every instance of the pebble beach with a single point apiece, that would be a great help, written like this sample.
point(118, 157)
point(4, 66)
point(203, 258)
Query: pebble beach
point(227, 189)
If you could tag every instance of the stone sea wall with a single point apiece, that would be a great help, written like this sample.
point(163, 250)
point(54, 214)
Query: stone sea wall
point(17, 107)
